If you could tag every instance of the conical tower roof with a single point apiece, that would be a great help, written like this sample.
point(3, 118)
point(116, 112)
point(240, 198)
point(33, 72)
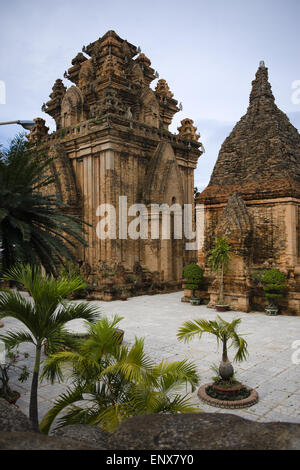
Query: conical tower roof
point(261, 156)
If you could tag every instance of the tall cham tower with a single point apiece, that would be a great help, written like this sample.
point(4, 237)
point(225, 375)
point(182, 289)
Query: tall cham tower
point(253, 198)
point(112, 141)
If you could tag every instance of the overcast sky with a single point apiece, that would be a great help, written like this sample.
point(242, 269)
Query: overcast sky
point(208, 51)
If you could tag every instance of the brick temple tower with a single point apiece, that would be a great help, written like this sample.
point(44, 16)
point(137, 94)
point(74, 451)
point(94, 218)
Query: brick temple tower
point(112, 140)
point(253, 198)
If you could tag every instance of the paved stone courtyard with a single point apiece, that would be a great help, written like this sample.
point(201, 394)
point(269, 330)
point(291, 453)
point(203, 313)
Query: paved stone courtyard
point(269, 369)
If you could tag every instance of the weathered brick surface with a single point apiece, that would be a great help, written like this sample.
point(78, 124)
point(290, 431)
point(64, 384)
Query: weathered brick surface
point(112, 139)
point(253, 198)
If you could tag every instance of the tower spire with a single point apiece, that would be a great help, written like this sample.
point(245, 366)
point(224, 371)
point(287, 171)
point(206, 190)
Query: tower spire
point(261, 88)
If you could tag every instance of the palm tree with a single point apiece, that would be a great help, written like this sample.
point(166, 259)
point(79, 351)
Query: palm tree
point(120, 381)
point(219, 259)
point(44, 317)
point(224, 332)
point(33, 226)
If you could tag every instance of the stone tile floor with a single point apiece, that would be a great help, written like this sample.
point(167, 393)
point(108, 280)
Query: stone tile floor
point(269, 369)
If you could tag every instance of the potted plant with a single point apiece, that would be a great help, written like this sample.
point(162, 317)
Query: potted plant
point(219, 260)
point(124, 294)
point(225, 332)
point(195, 300)
point(193, 276)
point(7, 361)
point(274, 283)
point(109, 283)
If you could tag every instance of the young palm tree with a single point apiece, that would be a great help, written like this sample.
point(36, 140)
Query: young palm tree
point(33, 227)
point(224, 332)
point(219, 259)
point(119, 381)
point(44, 317)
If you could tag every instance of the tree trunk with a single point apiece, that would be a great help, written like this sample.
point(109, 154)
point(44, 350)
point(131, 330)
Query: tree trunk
point(33, 406)
point(222, 285)
point(5, 389)
point(226, 370)
point(224, 355)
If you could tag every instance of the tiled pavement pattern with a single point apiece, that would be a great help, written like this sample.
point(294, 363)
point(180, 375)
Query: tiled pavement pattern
point(157, 318)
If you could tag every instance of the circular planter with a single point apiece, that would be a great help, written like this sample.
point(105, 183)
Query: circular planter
point(123, 298)
point(229, 404)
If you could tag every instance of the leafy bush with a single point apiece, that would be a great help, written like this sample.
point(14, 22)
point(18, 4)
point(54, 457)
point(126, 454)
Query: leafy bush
point(194, 275)
point(258, 276)
point(274, 284)
point(120, 381)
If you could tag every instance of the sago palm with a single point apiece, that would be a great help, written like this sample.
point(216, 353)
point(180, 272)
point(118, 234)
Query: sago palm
point(116, 381)
point(225, 333)
point(33, 226)
point(44, 316)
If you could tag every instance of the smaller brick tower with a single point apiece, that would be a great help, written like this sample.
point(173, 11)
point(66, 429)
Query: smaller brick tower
point(253, 198)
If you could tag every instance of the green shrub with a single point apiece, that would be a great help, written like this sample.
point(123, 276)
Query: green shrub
point(274, 283)
point(193, 274)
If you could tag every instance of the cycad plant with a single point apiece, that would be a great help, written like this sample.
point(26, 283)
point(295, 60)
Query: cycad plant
point(34, 227)
point(44, 316)
point(219, 260)
point(225, 333)
point(116, 381)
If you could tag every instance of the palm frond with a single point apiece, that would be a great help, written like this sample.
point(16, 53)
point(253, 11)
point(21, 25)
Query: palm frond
point(13, 339)
point(66, 399)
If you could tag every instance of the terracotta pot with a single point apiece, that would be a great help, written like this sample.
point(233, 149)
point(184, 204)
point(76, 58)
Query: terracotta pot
point(232, 389)
point(13, 401)
point(222, 308)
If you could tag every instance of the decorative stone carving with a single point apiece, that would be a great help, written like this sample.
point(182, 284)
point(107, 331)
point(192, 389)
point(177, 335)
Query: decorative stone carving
point(72, 107)
point(149, 108)
point(86, 73)
point(111, 66)
point(143, 60)
point(162, 89)
point(38, 131)
point(137, 75)
point(236, 225)
point(187, 130)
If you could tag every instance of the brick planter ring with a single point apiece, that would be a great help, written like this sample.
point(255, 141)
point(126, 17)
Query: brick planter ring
point(234, 404)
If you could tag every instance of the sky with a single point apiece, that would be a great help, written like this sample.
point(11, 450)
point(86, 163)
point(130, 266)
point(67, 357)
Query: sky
point(208, 51)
